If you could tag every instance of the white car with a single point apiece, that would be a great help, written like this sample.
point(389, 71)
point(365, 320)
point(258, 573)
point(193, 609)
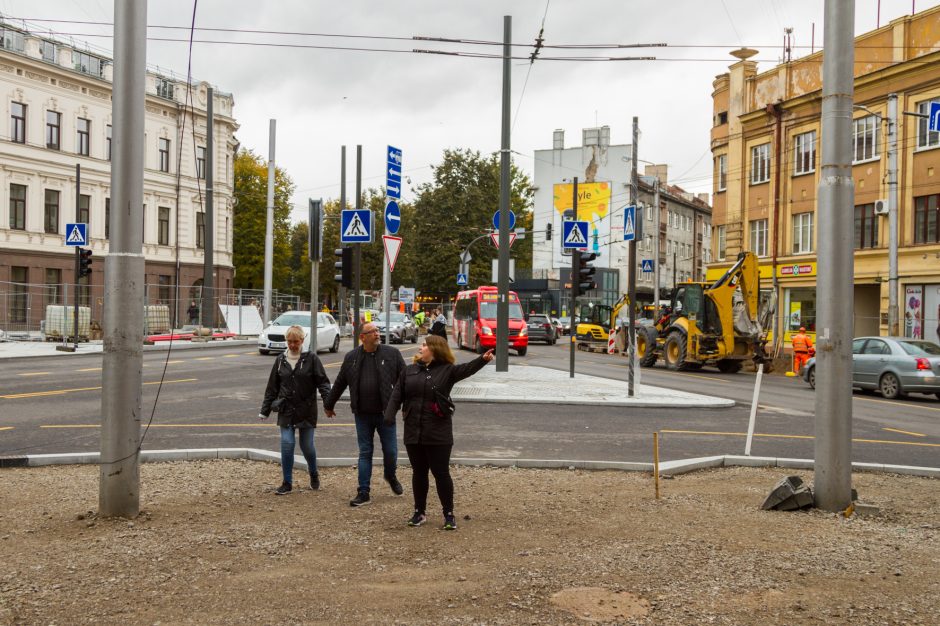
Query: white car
point(272, 339)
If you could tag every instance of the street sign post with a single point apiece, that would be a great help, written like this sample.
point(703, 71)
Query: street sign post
point(512, 220)
point(76, 234)
point(393, 173)
point(392, 246)
point(495, 237)
point(392, 217)
point(629, 223)
point(356, 226)
point(461, 279)
point(647, 265)
point(574, 235)
point(935, 116)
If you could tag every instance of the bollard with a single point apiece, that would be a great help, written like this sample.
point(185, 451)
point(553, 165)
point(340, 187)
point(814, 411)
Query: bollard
point(656, 462)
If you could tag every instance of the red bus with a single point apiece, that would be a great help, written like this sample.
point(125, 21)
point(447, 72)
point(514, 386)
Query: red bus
point(475, 320)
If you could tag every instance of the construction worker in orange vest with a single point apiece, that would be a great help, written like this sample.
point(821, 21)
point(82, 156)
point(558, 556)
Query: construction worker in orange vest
point(802, 350)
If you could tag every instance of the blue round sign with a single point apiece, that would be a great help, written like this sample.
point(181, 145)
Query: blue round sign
point(512, 220)
point(392, 217)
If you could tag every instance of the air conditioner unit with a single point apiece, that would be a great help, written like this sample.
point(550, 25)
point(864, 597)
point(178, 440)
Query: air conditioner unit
point(881, 207)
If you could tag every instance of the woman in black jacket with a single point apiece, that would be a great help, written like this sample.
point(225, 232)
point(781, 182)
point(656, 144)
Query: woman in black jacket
point(423, 394)
point(291, 391)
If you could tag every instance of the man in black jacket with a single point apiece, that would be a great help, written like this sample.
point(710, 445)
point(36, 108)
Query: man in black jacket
point(370, 371)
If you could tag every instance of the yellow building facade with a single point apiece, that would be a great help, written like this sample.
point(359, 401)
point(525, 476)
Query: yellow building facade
point(765, 144)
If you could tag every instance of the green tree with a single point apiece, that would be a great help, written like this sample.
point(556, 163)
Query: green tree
point(250, 217)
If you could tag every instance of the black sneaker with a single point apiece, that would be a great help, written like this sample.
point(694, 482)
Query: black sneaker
point(450, 522)
point(283, 490)
point(315, 482)
point(397, 489)
point(417, 519)
point(361, 499)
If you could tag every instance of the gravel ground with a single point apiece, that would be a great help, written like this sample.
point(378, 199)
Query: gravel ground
point(213, 545)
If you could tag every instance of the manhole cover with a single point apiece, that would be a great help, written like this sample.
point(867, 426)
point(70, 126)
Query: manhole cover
point(596, 604)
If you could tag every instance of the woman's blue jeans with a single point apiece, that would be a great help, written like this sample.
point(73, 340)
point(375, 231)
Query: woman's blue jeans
point(287, 451)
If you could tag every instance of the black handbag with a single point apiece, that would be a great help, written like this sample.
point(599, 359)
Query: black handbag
point(442, 406)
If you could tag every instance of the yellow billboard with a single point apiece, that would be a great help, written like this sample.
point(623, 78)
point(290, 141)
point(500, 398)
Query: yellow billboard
point(593, 200)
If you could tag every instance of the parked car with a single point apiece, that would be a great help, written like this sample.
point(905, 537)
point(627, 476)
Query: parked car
point(541, 328)
point(272, 338)
point(892, 365)
point(402, 328)
point(565, 322)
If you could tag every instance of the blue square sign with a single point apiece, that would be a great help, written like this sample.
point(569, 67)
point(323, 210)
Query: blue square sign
point(76, 234)
point(574, 235)
point(356, 226)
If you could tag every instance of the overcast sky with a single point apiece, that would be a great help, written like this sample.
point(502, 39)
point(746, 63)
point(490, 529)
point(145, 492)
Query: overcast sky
point(424, 103)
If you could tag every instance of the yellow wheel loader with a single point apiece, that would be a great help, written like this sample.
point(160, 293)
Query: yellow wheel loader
point(597, 320)
point(710, 324)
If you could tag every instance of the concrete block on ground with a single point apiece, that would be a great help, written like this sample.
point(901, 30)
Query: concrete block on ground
point(232, 453)
point(76, 458)
point(197, 454)
point(750, 461)
point(795, 463)
point(163, 456)
point(674, 468)
point(912, 470)
point(868, 467)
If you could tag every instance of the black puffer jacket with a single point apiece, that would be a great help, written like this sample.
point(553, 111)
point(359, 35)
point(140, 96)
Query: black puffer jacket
point(298, 387)
point(390, 364)
point(414, 394)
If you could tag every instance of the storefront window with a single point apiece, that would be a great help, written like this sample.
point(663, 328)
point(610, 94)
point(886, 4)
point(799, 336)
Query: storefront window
point(801, 309)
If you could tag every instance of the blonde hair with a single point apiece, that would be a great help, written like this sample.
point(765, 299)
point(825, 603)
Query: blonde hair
point(440, 350)
point(294, 331)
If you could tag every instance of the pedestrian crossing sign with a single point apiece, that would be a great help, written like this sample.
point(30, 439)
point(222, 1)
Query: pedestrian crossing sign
point(629, 223)
point(76, 234)
point(356, 226)
point(574, 235)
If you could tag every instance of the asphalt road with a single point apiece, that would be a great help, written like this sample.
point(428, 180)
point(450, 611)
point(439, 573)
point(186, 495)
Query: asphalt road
point(209, 398)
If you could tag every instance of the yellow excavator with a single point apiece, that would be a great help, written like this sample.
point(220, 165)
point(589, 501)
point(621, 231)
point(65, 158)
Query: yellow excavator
point(710, 324)
point(597, 320)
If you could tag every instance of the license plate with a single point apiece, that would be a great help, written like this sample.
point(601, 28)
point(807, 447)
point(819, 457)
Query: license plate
point(278, 344)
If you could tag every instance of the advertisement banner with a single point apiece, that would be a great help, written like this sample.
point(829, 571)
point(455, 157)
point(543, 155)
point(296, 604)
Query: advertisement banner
point(913, 311)
point(594, 207)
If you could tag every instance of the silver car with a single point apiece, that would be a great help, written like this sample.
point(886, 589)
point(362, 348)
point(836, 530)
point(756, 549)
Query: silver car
point(892, 365)
point(273, 338)
point(402, 328)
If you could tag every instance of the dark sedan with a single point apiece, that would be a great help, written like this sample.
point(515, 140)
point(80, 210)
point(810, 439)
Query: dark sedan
point(541, 329)
point(892, 365)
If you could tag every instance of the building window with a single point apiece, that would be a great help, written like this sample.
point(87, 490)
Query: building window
point(18, 122)
point(51, 217)
point(87, 64)
point(53, 284)
point(164, 88)
point(760, 164)
point(866, 227)
point(722, 242)
point(759, 237)
point(49, 51)
point(804, 153)
point(164, 154)
point(53, 130)
point(865, 138)
point(17, 207)
point(163, 289)
point(107, 138)
point(721, 167)
point(925, 219)
point(201, 162)
point(800, 307)
point(19, 300)
point(802, 233)
point(721, 118)
point(163, 226)
point(926, 138)
point(84, 206)
point(12, 40)
point(200, 229)
point(649, 214)
point(107, 218)
point(83, 140)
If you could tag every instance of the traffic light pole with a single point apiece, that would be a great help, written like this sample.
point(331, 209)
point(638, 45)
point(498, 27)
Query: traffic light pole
point(575, 264)
point(78, 271)
point(502, 305)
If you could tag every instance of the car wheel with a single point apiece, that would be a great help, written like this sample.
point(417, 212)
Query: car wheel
point(675, 350)
point(459, 342)
point(414, 337)
point(335, 346)
point(477, 346)
point(263, 351)
point(890, 386)
point(812, 377)
point(522, 351)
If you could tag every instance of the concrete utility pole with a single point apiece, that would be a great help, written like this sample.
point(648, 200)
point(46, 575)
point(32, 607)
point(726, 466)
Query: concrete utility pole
point(122, 365)
point(269, 225)
point(835, 324)
point(502, 305)
point(893, 314)
point(208, 281)
point(634, 200)
point(656, 250)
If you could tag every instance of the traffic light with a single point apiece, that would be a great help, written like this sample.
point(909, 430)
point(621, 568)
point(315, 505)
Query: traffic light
point(585, 272)
point(344, 267)
point(84, 262)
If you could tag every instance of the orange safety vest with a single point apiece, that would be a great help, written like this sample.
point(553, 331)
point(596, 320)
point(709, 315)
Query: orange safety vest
point(801, 342)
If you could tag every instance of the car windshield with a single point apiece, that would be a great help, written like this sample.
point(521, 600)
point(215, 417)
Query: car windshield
point(541, 319)
point(397, 318)
point(488, 310)
point(293, 319)
point(920, 348)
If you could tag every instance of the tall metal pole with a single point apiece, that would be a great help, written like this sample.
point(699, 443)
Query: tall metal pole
point(575, 264)
point(341, 290)
point(122, 364)
point(834, 328)
point(634, 200)
point(208, 281)
point(357, 253)
point(78, 252)
point(502, 305)
point(893, 313)
point(269, 224)
point(656, 250)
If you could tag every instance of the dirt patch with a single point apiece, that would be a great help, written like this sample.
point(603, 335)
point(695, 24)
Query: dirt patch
point(215, 546)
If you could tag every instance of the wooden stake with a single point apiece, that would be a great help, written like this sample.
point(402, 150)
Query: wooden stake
point(656, 463)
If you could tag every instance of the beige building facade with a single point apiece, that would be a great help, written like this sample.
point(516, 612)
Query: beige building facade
point(765, 144)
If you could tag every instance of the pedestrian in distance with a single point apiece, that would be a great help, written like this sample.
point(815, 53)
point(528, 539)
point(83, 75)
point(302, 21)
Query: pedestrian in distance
point(802, 349)
point(423, 395)
point(370, 371)
point(438, 324)
point(193, 313)
point(419, 321)
point(295, 379)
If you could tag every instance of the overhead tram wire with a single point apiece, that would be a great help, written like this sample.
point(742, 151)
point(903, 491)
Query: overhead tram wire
point(539, 40)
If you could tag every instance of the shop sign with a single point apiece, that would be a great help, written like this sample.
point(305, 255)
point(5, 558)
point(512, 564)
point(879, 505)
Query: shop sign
point(797, 269)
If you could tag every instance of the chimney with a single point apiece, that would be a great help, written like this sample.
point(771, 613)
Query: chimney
point(704, 197)
point(659, 171)
point(558, 139)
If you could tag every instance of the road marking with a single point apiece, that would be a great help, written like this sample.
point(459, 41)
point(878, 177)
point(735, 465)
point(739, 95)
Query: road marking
point(254, 425)
point(774, 436)
point(230, 356)
point(60, 392)
point(892, 403)
point(253, 352)
point(7, 427)
point(89, 369)
point(337, 364)
point(904, 432)
point(33, 374)
point(204, 358)
point(173, 362)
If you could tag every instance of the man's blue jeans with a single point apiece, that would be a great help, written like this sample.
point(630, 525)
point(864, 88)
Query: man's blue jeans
point(287, 450)
point(366, 426)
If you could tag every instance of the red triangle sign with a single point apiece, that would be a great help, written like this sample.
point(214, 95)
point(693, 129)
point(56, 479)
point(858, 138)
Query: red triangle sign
point(495, 237)
point(392, 246)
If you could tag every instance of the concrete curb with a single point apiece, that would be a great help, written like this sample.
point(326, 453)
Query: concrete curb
point(668, 468)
